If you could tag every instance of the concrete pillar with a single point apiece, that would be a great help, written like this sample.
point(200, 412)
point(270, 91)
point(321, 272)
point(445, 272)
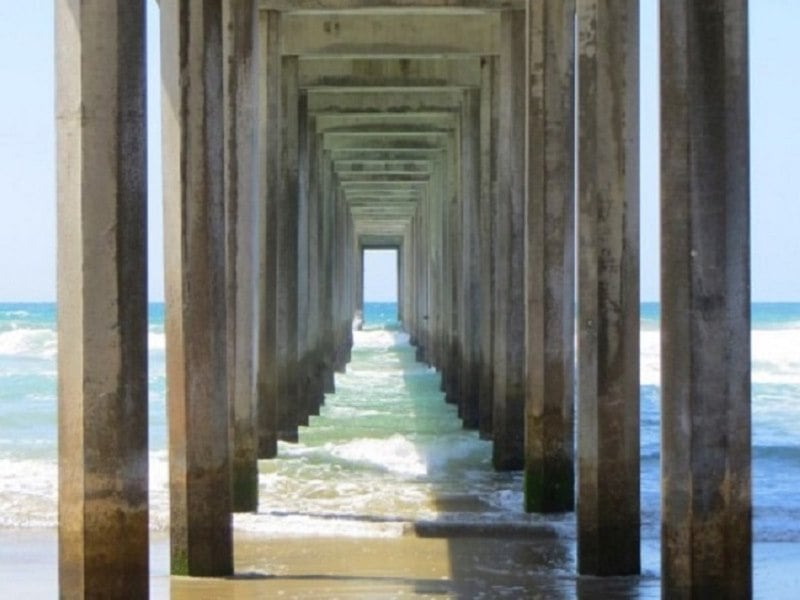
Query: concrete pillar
point(402, 278)
point(306, 372)
point(453, 249)
point(350, 283)
point(102, 298)
point(470, 313)
point(608, 288)
point(338, 280)
point(359, 264)
point(433, 261)
point(424, 262)
point(488, 202)
point(705, 301)
point(328, 272)
point(194, 220)
point(241, 199)
point(269, 124)
point(550, 259)
point(509, 335)
point(313, 326)
point(289, 404)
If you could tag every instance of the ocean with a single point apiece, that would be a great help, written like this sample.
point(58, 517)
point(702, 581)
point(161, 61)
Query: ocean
point(387, 451)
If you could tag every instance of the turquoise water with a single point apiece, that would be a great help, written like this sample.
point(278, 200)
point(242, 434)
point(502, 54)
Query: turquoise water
point(386, 449)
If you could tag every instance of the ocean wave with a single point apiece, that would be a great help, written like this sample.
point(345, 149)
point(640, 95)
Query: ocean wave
point(293, 525)
point(156, 341)
point(383, 339)
point(29, 492)
point(15, 314)
point(29, 343)
point(396, 455)
point(774, 356)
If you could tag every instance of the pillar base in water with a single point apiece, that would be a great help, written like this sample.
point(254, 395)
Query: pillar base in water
point(550, 487)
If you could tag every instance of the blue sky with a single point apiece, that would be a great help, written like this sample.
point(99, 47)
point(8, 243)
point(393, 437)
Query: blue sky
point(27, 168)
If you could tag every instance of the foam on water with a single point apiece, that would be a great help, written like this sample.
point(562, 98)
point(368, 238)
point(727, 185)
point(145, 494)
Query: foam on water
point(28, 343)
point(775, 356)
point(28, 492)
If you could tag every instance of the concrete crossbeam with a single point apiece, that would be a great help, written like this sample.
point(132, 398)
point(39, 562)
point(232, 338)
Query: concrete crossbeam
point(348, 35)
point(392, 6)
point(399, 73)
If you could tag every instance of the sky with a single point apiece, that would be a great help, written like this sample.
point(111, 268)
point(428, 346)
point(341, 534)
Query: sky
point(27, 154)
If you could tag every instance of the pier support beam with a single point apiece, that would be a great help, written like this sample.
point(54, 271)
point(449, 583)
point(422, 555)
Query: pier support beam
point(269, 124)
point(102, 299)
point(194, 224)
point(290, 409)
point(470, 312)
point(241, 203)
point(509, 315)
point(487, 201)
point(705, 300)
point(608, 288)
point(550, 259)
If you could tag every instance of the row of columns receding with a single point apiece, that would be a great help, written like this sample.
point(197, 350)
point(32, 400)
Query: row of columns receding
point(495, 145)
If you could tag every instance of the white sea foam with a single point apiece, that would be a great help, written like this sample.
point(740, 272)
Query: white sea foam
point(156, 340)
point(650, 357)
point(396, 454)
point(28, 343)
point(42, 343)
point(29, 492)
point(320, 525)
point(775, 356)
point(379, 338)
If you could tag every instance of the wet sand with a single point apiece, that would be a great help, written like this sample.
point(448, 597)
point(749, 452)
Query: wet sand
point(375, 568)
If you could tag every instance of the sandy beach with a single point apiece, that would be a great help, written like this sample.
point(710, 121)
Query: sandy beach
point(374, 568)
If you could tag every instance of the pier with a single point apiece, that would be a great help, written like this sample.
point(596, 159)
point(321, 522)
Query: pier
point(494, 145)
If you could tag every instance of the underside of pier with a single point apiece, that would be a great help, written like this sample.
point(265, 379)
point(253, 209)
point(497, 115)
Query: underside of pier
point(494, 145)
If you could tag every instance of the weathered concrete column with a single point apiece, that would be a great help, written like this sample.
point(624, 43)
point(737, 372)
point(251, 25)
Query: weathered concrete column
point(306, 243)
point(509, 315)
point(550, 259)
point(488, 203)
point(194, 225)
point(425, 264)
point(359, 264)
point(310, 174)
point(289, 405)
point(338, 274)
point(269, 125)
point(328, 272)
point(705, 301)
point(102, 299)
point(241, 198)
point(608, 288)
point(453, 249)
point(470, 313)
point(433, 219)
point(402, 280)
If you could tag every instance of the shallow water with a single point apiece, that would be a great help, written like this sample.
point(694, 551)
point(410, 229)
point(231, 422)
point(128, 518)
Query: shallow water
point(386, 450)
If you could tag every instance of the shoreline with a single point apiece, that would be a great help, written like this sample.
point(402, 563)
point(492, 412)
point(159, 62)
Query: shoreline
point(460, 566)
